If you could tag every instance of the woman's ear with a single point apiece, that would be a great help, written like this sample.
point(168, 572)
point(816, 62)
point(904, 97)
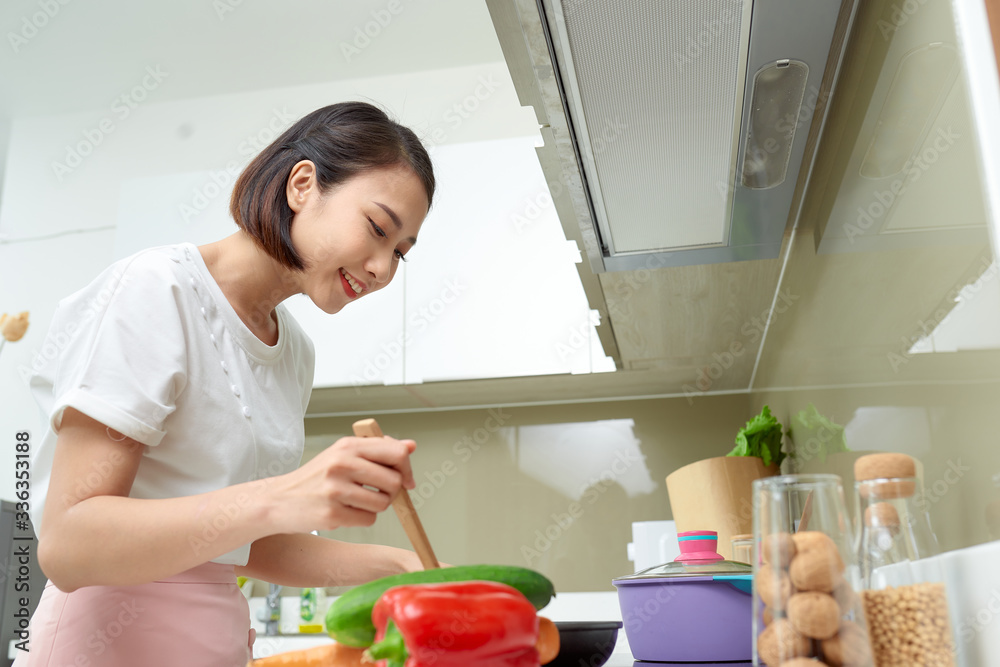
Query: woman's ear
point(301, 185)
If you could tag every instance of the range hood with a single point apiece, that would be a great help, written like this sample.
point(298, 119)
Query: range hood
point(677, 130)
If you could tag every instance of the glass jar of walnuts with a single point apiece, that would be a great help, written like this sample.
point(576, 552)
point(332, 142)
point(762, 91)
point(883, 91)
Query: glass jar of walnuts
point(807, 607)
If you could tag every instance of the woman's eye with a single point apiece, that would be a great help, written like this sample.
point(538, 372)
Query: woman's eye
point(401, 256)
point(378, 230)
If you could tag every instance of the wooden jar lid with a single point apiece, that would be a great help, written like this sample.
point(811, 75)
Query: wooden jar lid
point(882, 515)
point(886, 466)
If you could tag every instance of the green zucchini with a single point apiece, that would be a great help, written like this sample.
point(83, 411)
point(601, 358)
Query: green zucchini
point(349, 618)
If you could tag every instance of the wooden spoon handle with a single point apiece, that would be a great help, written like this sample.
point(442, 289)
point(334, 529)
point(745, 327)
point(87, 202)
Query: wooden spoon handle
point(369, 428)
point(806, 514)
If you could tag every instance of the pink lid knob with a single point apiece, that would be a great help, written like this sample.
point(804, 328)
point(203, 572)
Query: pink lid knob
point(699, 546)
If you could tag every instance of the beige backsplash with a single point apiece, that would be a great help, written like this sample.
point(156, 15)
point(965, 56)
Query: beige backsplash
point(497, 486)
point(503, 486)
point(952, 429)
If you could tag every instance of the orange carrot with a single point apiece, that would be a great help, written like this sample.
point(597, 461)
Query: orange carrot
point(338, 655)
point(328, 655)
point(548, 640)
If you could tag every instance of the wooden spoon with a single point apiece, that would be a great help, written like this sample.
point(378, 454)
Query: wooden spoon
point(806, 514)
point(369, 428)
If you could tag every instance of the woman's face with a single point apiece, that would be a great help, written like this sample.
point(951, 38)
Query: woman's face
point(353, 238)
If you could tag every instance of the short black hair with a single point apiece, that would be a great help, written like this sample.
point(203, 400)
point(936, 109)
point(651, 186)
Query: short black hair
point(342, 140)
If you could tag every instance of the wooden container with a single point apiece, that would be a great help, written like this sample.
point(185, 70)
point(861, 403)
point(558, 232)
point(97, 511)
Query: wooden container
point(715, 494)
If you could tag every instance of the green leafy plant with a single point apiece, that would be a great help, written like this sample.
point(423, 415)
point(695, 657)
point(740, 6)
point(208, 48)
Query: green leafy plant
point(816, 435)
point(761, 437)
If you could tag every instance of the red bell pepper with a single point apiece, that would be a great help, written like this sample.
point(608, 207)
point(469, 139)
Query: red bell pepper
point(467, 623)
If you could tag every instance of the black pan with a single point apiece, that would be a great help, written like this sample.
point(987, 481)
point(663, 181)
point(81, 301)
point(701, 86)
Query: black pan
point(585, 643)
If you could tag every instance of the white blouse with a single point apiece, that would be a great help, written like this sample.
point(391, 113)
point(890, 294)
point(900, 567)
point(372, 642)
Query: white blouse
point(153, 349)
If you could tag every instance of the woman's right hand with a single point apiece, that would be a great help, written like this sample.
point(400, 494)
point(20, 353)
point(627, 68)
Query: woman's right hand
point(347, 484)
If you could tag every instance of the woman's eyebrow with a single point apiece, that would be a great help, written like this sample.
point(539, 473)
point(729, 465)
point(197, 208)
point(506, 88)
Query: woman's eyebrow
point(395, 219)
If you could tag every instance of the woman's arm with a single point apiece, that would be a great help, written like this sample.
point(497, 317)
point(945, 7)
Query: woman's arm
point(308, 561)
point(93, 533)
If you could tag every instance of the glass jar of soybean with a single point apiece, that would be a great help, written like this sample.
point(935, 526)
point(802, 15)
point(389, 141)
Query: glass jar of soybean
point(904, 593)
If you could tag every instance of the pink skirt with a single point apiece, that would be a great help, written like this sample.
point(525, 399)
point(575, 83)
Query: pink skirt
point(198, 618)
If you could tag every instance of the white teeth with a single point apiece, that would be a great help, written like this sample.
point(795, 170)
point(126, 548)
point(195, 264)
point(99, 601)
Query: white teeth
point(354, 286)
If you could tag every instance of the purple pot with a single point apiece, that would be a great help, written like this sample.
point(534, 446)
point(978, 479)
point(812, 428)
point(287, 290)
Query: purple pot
point(692, 610)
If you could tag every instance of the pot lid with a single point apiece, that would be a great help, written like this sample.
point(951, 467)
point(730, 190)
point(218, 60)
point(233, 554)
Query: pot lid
point(675, 569)
point(699, 558)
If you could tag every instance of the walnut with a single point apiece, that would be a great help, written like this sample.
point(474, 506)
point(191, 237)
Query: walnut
point(814, 540)
point(848, 600)
point(882, 515)
point(817, 568)
point(813, 614)
point(778, 549)
point(12, 327)
point(849, 648)
point(780, 641)
point(774, 587)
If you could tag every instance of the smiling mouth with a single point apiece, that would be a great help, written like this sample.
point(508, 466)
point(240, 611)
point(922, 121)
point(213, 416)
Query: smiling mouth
point(355, 286)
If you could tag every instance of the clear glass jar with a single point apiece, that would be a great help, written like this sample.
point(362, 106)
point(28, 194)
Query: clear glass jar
point(742, 546)
point(904, 593)
point(806, 579)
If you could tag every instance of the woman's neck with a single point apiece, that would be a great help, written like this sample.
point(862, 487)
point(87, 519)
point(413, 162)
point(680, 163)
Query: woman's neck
point(252, 281)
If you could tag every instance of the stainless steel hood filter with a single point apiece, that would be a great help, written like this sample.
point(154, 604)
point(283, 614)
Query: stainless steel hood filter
point(687, 120)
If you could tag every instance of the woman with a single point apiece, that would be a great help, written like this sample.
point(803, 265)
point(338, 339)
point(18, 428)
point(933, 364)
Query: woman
point(171, 459)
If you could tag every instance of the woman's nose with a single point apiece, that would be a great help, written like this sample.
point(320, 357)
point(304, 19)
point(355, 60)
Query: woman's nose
point(380, 268)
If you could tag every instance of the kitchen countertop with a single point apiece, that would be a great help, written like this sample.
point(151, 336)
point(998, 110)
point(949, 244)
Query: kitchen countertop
point(597, 606)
